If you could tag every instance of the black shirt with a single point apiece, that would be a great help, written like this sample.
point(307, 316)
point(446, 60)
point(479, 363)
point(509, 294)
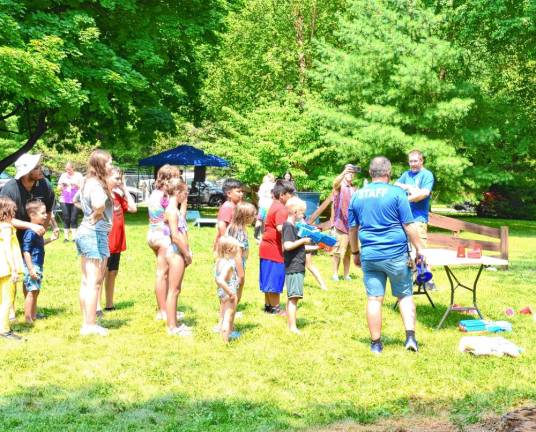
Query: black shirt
point(41, 190)
point(295, 258)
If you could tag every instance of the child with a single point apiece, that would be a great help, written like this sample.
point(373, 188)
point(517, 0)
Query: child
point(227, 250)
point(294, 253)
point(179, 255)
point(244, 215)
point(10, 264)
point(232, 189)
point(123, 202)
point(272, 262)
point(33, 251)
point(158, 235)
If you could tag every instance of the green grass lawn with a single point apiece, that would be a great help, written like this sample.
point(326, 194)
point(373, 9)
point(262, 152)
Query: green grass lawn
point(138, 378)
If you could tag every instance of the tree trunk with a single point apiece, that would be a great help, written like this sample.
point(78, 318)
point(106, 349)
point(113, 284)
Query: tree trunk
point(39, 130)
point(298, 27)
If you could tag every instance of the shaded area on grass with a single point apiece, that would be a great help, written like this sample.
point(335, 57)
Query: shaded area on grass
point(97, 407)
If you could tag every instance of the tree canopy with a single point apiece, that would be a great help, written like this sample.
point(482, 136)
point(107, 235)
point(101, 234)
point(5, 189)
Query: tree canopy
point(302, 85)
point(115, 71)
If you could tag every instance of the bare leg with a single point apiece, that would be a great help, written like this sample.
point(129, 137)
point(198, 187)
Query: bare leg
point(292, 306)
point(94, 270)
point(28, 303)
point(161, 285)
point(407, 310)
point(83, 287)
point(314, 271)
point(336, 262)
point(374, 316)
point(346, 264)
point(273, 299)
point(229, 309)
point(110, 287)
point(34, 304)
point(176, 274)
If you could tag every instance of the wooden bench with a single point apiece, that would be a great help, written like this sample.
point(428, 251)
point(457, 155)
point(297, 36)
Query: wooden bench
point(497, 244)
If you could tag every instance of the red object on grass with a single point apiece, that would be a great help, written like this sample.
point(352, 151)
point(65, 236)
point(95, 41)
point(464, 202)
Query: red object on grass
point(527, 310)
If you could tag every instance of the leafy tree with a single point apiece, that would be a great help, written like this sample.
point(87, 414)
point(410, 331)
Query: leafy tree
point(266, 51)
point(404, 84)
point(116, 71)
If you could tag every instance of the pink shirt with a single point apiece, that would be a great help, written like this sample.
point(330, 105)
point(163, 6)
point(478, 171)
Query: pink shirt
point(341, 202)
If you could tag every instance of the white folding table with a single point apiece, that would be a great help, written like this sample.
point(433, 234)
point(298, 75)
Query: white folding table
point(447, 259)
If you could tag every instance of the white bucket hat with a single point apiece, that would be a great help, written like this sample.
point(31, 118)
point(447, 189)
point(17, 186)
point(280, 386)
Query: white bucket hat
point(26, 163)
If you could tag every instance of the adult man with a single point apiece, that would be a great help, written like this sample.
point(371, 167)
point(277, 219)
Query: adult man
point(418, 183)
point(380, 213)
point(30, 184)
point(342, 193)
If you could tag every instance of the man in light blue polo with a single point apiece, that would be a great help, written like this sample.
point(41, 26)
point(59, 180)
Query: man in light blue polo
point(418, 183)
point(380, 214)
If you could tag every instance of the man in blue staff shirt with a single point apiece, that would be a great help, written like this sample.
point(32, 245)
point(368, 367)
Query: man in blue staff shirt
point(380, 214)
point(418, 183)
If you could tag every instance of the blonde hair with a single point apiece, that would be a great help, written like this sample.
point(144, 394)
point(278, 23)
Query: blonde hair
point(7, 209)
point(268, 177)
point(295, 203)
point(227, 247)
point(174, 185)
point(165, 174)
point(243, 213)
point(97, 168)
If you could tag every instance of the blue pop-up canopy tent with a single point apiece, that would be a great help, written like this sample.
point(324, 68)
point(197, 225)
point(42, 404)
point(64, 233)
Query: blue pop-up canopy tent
point(184, 155)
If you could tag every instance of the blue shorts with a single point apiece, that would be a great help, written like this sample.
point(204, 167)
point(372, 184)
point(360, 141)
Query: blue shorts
point(92, 244)
point(271, 276)
point(375, 274)
point(33, 284)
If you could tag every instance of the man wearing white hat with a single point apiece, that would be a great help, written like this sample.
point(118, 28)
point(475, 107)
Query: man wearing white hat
point(29, 184)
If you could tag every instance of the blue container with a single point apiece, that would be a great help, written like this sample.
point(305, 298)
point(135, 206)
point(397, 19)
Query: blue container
point(312, 200)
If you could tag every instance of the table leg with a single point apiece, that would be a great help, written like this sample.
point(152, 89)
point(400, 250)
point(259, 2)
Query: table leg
point(452, 278)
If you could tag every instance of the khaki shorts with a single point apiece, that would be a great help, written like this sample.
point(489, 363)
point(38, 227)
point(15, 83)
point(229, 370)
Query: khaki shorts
point(341, 248)
point(422, 230)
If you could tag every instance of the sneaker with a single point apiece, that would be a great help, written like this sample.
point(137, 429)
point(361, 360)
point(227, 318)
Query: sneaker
point(376, 347)
point(182, 330)
point(11, 336)
point(234, 335)
point(99, 314)
point(267, 308)
point(430, 286)
point(162, 316)
point(348, 277)
point(335, 277)
point(411, 344)
point(95, 329)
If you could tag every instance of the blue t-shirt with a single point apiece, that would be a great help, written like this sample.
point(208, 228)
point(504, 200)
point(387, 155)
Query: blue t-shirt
point(422, 179)
point(34, 244)
point(380, 209)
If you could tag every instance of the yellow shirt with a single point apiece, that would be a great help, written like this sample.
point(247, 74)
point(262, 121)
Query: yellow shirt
point(5, 269)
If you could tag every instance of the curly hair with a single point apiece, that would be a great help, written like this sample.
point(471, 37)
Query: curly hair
point(165, 174)
point(7, 209)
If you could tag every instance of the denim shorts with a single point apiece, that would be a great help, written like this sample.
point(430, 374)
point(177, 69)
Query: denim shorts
point(294, 283)
point(92, 244)
point(33, 284)
point(375, 274)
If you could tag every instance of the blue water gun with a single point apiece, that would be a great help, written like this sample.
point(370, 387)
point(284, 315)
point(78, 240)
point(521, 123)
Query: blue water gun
point(325, 241)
